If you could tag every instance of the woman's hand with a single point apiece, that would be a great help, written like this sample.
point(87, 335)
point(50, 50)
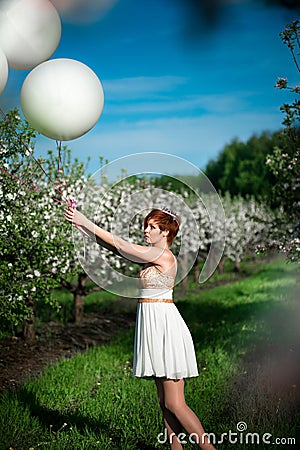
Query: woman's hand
point(73, 216)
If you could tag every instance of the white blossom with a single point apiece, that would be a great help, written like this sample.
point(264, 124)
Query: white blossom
point(11, 196)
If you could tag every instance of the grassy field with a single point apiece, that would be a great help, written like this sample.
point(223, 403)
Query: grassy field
point(246, 335)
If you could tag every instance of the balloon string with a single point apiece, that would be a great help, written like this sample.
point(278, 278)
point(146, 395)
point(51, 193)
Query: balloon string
point(57, 187)
point(60, 166)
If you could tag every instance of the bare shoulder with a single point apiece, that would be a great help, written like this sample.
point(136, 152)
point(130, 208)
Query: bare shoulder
point(167, 263)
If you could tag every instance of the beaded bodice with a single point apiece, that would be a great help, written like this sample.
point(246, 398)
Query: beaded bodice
point(152, 278)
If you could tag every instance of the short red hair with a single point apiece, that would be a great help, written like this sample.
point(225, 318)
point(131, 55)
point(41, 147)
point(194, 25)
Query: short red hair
point(165, 222)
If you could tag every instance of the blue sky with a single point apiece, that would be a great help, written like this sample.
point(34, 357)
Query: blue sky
point(173, 84)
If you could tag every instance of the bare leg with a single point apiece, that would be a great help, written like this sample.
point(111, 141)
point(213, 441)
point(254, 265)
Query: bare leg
point(173, 426)
point(174, 401)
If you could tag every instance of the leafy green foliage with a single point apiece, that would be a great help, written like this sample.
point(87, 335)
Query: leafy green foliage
point(240, 168)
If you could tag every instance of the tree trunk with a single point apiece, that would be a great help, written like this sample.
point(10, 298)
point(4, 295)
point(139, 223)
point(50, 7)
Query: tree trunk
point(184, 284)
point(237, 265)
point(78, 307)
point(28, 326)
point(184, 271)
point(197, 268)
point(221, 264)
point(79, 296)
point(196, 271)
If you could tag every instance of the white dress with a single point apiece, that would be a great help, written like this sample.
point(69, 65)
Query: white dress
point(163, 345)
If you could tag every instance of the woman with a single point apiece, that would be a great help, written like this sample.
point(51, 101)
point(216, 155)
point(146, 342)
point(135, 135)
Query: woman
point(163, 347)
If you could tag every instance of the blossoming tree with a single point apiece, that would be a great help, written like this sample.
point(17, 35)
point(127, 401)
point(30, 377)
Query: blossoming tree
point(40, 251)
point(34, 251)
point(284, 162)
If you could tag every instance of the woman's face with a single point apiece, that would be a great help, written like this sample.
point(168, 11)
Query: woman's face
point(153, 234)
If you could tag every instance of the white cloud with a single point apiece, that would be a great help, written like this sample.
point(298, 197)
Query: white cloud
point(197, 138)
point(217, 103)
point(139, 87)
point(165, 94)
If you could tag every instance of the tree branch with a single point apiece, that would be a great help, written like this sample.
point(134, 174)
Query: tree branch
point(93, 289)
point(66, 284)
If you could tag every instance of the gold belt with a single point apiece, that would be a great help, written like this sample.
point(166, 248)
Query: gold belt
point(155, 300)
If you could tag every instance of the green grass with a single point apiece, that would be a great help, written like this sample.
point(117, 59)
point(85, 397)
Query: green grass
point(246, 336)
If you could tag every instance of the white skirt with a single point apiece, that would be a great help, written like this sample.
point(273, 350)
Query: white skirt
point(163, 345)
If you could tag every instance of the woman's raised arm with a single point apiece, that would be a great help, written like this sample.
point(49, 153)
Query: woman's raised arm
point(133, 252)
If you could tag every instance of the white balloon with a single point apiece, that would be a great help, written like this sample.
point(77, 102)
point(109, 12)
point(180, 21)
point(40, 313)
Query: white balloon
point(3, 71)
point(30, 32)
point(62, 98)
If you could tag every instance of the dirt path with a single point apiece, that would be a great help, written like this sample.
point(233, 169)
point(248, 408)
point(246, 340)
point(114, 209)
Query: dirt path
point(20, 360)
